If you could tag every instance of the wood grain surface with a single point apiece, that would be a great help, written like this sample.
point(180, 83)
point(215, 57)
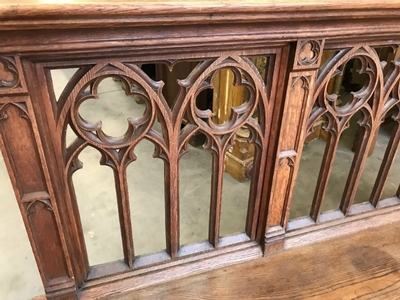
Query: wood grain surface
point(52, 14)
point(112, 39)
point(364, 266)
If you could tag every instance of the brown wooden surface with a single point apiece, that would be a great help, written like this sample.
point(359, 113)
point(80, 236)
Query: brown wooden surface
point(363, 266)
point(25, 9)
point(97, 36)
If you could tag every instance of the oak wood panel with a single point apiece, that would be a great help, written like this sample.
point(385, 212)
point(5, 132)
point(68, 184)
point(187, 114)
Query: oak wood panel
point(107, 38)
point(365, 265)
point(23, 155)
point(306, 57)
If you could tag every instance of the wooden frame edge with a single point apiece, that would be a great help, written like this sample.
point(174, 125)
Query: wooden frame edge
point(98, 289)
point(341, 227)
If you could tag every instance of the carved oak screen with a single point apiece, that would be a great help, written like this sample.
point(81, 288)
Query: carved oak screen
point(284, 103)
point(363, 105)
point(169, 124)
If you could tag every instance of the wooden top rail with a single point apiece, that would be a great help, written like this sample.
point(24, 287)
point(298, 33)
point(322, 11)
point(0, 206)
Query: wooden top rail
point(45, 26)
point(51, 14)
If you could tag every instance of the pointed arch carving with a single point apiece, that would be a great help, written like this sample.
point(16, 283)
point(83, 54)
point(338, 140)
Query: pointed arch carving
point(367, 101)
point(119, 152)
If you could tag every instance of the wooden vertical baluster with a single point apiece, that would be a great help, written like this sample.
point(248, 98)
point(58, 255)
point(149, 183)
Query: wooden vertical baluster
point(225, 97)
point(387, 163)
point(255, 192)
point(324, 173)
point(279, 74)
point(171, 163)
point(80, 261)
point(172, 216)
point(216, 198)
point(391, 89)
point(267, 70)
point(355, 171)
point(82, 267)
point(121, 186)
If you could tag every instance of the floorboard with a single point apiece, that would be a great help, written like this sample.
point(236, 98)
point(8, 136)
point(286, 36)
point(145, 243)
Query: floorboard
point(365, 265)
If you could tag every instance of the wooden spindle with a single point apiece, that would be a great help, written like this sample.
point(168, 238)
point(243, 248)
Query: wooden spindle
point(124, 213)
point(323, 177)
point(387, 163)
point(355, 171)
point(217, 178)
point(172, 216)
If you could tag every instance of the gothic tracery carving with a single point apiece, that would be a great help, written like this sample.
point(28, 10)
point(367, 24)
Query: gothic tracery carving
point(172, 143)
point(369, 100)
point(30, 209)
point(21, 107)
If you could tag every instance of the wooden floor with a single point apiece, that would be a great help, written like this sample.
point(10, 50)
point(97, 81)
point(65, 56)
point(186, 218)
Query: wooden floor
point(363, 266)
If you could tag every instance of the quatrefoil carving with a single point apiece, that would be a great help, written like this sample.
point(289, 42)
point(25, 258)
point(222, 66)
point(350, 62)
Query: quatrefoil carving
point(309, 53)
point(8, 74)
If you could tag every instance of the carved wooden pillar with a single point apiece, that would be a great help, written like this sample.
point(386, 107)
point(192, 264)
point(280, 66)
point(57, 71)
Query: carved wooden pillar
point(298, 104)
point(22, 148)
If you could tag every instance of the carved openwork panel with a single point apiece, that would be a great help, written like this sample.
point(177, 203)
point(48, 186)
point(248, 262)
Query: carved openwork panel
point(172, 125)
point(298, 104)
point(353, 92)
